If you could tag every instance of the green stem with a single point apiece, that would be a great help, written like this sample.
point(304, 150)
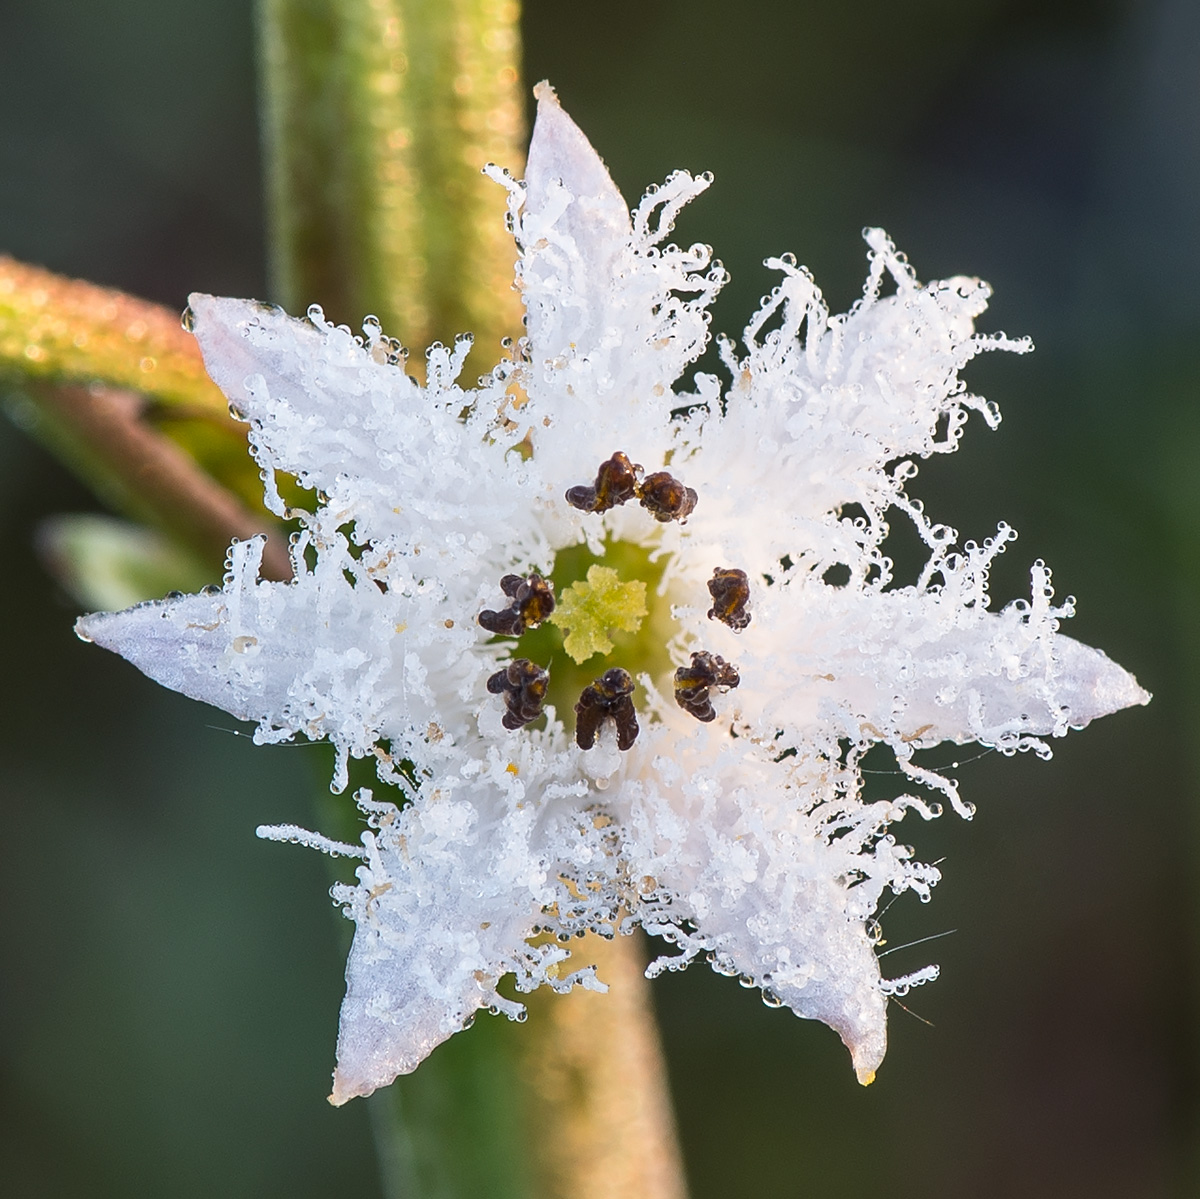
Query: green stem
point(377, 117)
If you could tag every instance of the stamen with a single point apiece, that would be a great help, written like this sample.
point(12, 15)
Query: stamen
point(619, 480)
point(616, 482)
point(523, 684)
point(532, 601)
point(730, 589)
point(611, 695)
point(667, 498)
point(692, 683)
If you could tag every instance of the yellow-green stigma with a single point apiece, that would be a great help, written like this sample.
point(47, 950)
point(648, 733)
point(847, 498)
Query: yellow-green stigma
point(590, 608)
point(608, 613)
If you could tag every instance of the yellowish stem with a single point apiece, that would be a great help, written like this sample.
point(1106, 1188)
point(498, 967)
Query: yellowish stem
point(378, 117)
point(64, 329)
point(597, 1084)
point(117, 387)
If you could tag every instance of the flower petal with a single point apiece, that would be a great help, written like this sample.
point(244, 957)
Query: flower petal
point(565, 177)
point(428, 951)
point(444, 906)
point(322, 656)
point(774, 881)
point(824, 407)
point(613, 316)
point(914, 667)
point(331, 410)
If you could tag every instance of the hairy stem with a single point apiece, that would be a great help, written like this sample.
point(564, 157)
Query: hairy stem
point(377, 118)
point(598, 1086)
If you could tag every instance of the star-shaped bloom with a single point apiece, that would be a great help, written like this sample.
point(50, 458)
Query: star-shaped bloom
point(616, 650)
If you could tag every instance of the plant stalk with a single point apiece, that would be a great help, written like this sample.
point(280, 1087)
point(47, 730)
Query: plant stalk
point(378, 116)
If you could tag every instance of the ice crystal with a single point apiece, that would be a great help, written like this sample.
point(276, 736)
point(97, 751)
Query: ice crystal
point(733, 827)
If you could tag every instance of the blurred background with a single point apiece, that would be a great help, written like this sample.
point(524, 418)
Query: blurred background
point(169, 985)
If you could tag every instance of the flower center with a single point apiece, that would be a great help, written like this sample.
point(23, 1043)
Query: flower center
point(609, 615)
point(589, 630)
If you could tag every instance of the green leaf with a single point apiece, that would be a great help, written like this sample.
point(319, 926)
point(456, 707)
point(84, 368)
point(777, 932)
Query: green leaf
point(106, 563)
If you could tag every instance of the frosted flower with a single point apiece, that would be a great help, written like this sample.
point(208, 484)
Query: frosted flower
point(617, 651)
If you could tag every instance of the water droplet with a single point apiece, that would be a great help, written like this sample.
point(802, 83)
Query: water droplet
point(174, 595)
point(188, 319)
point(316, 314)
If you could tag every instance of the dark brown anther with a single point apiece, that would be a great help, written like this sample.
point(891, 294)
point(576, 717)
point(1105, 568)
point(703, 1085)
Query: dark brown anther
point(619, 480)
point(692, 683)
point(523, 684)
point(610, 695)
point(616, 482)
point(730, 590)
point(666, 497)
point(532, 601)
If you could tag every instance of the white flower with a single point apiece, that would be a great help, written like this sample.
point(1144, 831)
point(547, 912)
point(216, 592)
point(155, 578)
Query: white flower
point(733, 826)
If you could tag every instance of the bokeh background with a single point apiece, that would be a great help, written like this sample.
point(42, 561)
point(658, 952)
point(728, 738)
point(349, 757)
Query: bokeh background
point(169, 985)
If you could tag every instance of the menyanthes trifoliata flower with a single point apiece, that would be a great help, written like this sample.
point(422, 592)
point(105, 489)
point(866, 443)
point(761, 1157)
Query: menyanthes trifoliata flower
point(617, 650)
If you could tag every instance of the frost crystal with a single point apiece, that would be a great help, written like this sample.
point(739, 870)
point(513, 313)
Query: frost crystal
point(733, 825)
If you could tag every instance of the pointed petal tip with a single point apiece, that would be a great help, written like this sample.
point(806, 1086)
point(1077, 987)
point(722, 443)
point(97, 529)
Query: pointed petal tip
point(559, 151)
point(102, 628)
point(1116, 688)
point(343, 1090)
point(202, 310)
point(365, 1078)
point(1089, 684)
point(867, 1050)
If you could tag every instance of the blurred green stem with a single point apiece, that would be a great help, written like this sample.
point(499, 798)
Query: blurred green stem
point(377, 117)
point(116, 388)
